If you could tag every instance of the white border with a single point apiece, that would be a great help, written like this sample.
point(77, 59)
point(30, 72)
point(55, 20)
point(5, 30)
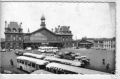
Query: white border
point(44, 76)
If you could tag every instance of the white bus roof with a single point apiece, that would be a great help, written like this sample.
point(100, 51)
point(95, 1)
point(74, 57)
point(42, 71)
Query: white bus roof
point(74, 69)
point(37, 61)
point(77, 63)
point(34, 55)
point(41, 72)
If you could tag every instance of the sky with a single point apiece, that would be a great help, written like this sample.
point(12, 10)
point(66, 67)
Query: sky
point(93, 20)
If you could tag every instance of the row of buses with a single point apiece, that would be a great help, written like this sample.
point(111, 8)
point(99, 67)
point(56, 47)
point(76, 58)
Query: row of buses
point(54, 59)
point(30, 62)
point(47, 49)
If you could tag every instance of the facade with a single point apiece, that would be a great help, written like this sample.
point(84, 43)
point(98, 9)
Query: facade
point(16, 39)
point(83, 43)
point(13, 35)
point(2, 43)
point(97, 43)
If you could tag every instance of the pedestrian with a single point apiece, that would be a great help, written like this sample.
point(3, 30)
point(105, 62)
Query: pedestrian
point(11, 62)
point(103, 61)
point(107, 66)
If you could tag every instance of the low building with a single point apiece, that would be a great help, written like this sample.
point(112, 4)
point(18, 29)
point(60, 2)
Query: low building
point(97, 43)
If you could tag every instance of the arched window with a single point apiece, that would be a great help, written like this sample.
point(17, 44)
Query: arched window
point(20, 38)
point(20, 30)
point(14, 30)
point(14, 38)
point(8, 30)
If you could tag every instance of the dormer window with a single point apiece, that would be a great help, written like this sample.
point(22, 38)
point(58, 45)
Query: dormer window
point(14, 30)
point(20, 30)
point(8, 30)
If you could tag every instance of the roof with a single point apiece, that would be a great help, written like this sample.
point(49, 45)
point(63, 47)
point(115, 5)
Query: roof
point(37, 61)
point(41, 72)
point(33, 55)
point(48, 31)
point(74, 69)
point(43, 29)
point(83, 41)
point(42, 41)
point(75, 63)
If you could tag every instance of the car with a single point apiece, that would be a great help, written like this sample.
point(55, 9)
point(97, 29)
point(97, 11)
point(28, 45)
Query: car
point(19, 52)
point(7, 72)
point(3, 50)
point(28, 48)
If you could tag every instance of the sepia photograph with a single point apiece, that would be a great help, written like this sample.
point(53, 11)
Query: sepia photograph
point(58, 38)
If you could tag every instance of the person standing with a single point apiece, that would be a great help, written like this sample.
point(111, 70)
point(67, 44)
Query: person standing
point(11, 62)
point(103, 61)
point(107, 66)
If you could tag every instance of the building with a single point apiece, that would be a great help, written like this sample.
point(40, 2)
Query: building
point(96, 43)
point(82, 43)
point(13, 35)
point(2, 43)
point(16, 39)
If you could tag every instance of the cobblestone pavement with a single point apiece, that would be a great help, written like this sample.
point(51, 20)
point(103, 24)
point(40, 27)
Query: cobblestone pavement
point(5, 65)
point(95, 57)
point(14, 70)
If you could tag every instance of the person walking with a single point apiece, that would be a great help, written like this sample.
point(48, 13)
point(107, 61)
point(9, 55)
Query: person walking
point(103, 61)
point(11, 62)
point(107, 66)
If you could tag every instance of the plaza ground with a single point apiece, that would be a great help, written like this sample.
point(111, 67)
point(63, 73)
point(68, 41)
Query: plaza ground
point(94, 55)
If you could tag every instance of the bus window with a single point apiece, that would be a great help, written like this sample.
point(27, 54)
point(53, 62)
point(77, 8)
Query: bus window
point(22, 62)
point(39, 67)
point(18, 61)
point(33, 65)
point(29, 64)
point(25, 62)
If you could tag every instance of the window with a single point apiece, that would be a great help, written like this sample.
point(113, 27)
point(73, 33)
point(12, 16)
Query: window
point(8, 30)
point(19, 30)
point(14, 38)
point(22, 62)
point(25, 62)
point(33, 65)
point(18, 61)
point(29, 64)
point(19, 37)
point(14, 30)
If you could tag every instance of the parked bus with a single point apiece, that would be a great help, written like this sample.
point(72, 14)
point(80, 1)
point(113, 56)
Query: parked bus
point(66, 69)
point(41, 72)
point(30, 64)
point(37, 56)
point(64, 61)
point(47, 49)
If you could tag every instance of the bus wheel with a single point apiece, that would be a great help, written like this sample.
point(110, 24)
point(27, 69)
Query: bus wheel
point(21, 68)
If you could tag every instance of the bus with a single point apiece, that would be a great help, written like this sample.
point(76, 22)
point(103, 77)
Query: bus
point(67, 69)
point(41, 72)
point(30, 64)
point(64, 61)
point(48, 49)
point(37, 56)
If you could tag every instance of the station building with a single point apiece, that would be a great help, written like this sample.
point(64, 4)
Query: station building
point(16, 39)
